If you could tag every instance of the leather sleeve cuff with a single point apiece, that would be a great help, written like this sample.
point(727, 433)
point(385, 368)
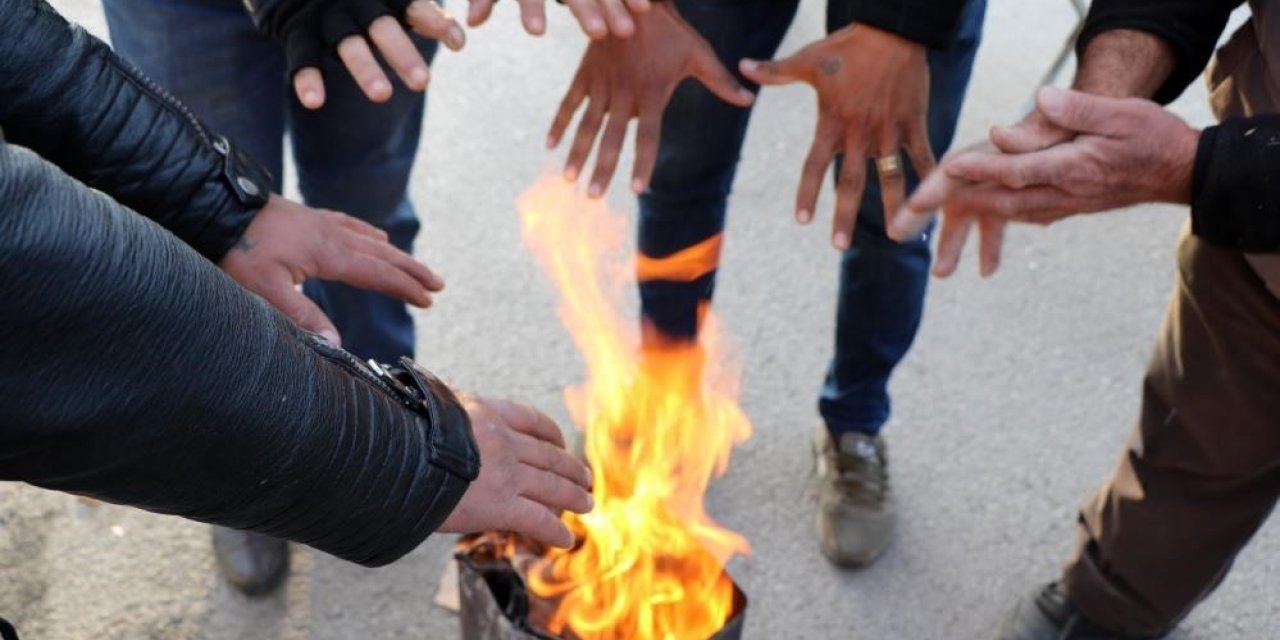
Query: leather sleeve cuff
point(1235, 199)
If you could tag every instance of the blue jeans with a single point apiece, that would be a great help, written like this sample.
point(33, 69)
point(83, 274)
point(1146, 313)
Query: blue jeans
point(882, 283)
point(352, 155)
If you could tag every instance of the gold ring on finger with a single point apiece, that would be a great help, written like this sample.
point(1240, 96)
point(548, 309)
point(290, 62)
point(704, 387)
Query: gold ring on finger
point(889, 165)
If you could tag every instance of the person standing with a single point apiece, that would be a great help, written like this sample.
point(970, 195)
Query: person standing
point(891, 78)
point(1201, 472)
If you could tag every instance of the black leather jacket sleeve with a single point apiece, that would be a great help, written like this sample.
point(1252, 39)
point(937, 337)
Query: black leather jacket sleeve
point(929, 22)
point(68, 97)
point(136, 372)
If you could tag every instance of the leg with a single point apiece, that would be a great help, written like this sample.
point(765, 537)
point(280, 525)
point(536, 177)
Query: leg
point(1203, 469)
point(882, 283)
point(701, 140)
point(208, 54)
point(355, 156)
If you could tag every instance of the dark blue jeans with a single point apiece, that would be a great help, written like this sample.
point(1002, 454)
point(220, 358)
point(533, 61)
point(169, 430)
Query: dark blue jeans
point(882, 283)
point(352, 155)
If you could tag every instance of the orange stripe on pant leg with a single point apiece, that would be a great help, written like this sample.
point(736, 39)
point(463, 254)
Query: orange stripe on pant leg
point(685, 265)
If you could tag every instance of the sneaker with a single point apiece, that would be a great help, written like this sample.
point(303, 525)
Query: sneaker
point(1048, 614)
point(252, 563)
point(856, 515)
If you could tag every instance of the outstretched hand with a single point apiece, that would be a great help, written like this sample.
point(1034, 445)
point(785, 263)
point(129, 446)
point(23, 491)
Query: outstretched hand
point(598, 18)
point(621, 80)
point(873, 100)
point(1118, 152)
point(288, 243)
point(526, 476)
point(311, 29)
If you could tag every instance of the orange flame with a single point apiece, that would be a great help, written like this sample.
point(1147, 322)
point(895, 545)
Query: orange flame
point(685, 265)
point(659, 424)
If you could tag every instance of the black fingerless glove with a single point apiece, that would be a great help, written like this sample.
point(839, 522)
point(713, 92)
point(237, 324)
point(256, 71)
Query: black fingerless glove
point(309, 29)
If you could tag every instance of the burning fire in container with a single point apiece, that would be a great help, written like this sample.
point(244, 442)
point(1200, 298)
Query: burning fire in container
point(660, 421)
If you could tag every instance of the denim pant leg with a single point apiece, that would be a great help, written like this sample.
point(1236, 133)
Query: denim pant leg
point(208, 54)
point(698, 155)
point(882, 283)
point(355, 156)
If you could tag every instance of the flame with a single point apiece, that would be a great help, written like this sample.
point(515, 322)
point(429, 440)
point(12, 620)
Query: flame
point(659, 423)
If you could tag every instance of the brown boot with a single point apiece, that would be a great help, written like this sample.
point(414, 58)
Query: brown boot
point(856, 516)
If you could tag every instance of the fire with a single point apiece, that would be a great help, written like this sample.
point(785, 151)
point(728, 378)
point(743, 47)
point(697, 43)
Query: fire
point(659, 423)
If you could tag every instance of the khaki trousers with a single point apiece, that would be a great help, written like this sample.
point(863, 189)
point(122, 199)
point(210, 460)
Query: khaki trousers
point(1202, 470)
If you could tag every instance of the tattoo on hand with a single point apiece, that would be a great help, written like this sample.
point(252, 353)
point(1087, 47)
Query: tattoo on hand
point(830, 66)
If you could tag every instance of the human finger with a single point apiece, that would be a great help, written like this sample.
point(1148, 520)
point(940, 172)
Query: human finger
point(849, 187)
point(399, 52)
point(1082, 112)
point(376, 273)
point(1033, 133)
point(359, 226)
point(363, 67)
point(529, 421)
point(568, 106)
point(951, 239)
point(308, 85)
point(430, 20)
point(549, 457)
point(478, 12)
point(1037, 168)
point(611, 143)
point(776, 72)
point(588, 129)
point(552, 490)
point(533, 15)
point(706, 67)
point(821, 153)
point(990, 244)
point(648, 135)
point(639, 6)
point(287, 299)
point(530, 518)
point(890, 171)
point(385, 251)
point(589, 18)
point(619, 18)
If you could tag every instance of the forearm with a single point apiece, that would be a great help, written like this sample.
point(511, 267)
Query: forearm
point(1124, 64)
point(1179, 34)
point(136, 372)
point(66, 96)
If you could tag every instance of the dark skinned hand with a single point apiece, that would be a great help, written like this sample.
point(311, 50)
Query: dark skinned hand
point(633, 78)
point(598, 18)
point(873, 100)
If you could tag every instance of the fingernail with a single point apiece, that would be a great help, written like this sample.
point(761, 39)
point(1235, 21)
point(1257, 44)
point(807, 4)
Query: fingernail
point(803, 216)
point(537, 25)
point(379, 87)
point(749, 65)
point(595, 191)
point(746, 94)
point(591, 502)
point(456, 36)
point(311, 98)
point(840, 240)
point(571, 174)
point(637, 186)
point(419, 75)
point(595, 25)
point(331, 337)
point(551, 142)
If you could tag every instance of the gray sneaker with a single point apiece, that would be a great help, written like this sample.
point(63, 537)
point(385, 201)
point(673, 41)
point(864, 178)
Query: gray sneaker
point(856, 515)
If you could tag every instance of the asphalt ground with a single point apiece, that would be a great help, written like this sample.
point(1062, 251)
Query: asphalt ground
point(1013, 404)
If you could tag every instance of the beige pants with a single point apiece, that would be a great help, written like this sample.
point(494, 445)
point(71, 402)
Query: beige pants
point(1202, 470)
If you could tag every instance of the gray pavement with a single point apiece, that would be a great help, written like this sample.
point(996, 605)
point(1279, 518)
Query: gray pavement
point(1014, 403)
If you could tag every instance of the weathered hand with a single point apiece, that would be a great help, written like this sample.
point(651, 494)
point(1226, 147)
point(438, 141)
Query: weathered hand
point(598, 18)
point(1122, 152)
point(287, 243)
point(388, 36)
point(526, 476)
point(873, 100)
point(634, 78)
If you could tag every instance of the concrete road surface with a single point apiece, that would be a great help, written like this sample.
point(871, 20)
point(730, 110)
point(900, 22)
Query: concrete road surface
point(1014, 403)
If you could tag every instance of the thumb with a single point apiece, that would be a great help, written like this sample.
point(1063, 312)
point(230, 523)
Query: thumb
point(1081, 112)
point(1032, 133)
point(706, 67)
point(304, 313)
point(773, 72)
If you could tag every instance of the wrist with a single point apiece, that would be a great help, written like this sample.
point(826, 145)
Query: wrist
point(1181, 165)
point(1124, 63)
